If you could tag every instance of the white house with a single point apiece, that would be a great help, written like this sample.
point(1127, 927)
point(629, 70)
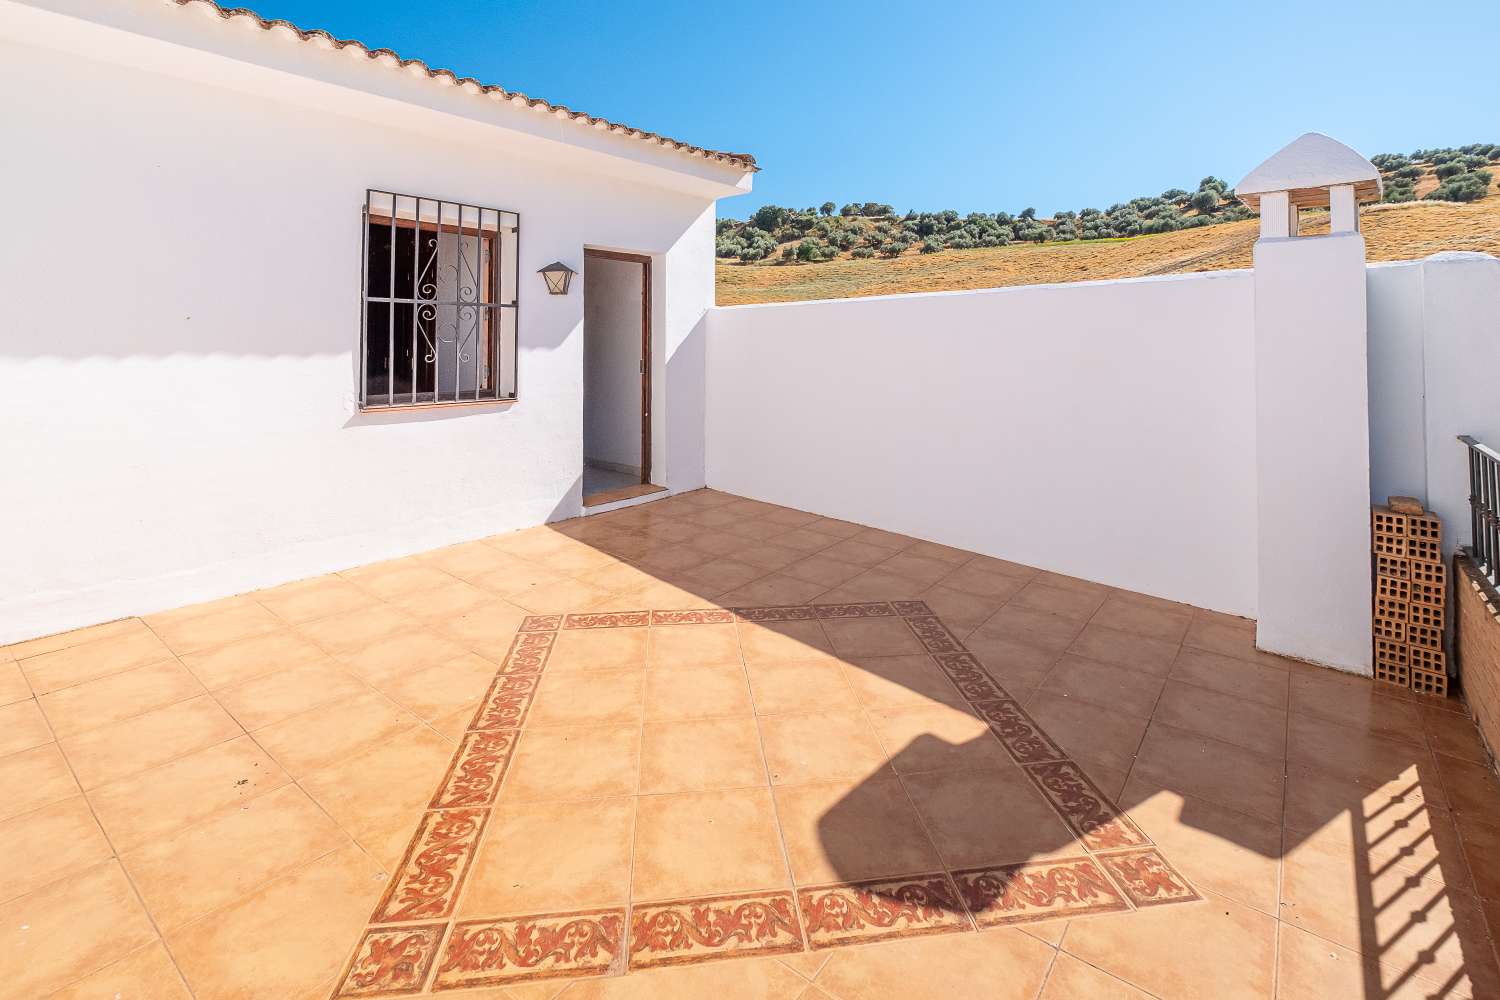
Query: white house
point(279, 309)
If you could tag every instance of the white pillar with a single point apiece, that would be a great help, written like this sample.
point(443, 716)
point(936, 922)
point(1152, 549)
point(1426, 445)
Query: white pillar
point(1344, 213)
point(1312, 444)
point(1276, 213)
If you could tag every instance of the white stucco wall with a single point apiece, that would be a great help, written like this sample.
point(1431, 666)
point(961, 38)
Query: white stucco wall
point(612, 356)
point(181, 419)
point(1105, 430)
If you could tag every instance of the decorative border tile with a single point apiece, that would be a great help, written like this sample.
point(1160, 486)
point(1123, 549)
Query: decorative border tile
point(474, 776)
point(698, 930)
point(908, 609)
point(1013, 894)
point(872, 609)
point(437, 859)
point(705, 616)
point(506, 703)
point(857, 912)
point(391, 961)
point(616, 619)
point(794, 613)
point(1023, 739)
point(541, 623)
point(1086, 810)
point(971, 679)
point(934, 635)
point(521, 949)
point(528, 653)
point(1147, 879)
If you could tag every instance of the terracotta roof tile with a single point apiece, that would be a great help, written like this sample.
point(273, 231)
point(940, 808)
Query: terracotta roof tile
point(744, 160)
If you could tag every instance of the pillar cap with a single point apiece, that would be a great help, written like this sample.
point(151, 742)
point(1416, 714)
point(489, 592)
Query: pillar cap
point(1306, 168)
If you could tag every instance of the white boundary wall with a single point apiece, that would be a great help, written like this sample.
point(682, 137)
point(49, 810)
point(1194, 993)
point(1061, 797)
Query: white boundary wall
point(1105, 430)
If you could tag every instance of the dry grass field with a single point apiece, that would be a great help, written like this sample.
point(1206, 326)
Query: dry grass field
point(1392, 232)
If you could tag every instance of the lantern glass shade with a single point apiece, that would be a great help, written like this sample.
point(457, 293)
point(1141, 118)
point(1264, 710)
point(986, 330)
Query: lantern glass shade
point(557, 275)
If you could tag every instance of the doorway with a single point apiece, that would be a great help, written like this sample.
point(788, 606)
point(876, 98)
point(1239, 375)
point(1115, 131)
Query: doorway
point(616, 377)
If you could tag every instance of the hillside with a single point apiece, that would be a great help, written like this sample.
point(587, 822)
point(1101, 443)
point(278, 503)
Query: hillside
point(1411, 224)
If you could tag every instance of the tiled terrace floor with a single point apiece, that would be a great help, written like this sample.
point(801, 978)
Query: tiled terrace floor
point(218, 801)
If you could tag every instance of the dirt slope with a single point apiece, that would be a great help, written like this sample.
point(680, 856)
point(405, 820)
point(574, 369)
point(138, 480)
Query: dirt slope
point(1392, 232)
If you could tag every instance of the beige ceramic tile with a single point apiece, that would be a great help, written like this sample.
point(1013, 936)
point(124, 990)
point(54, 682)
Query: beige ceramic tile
point(47, 844)
point(431, 693)
point(329, 733)
point(118, 696)
point(573, 763)
point(551, 857)
point(888, 683)
point(124, 748)
point(781, 686)
point(821, 747)
point(77, 637)
point(249, 658)
point(155, 803)
point(350, 632)
point(846, 830)
point(782, 642)
point(960, 810)
point(379, 795)
point(765, 979)
point(13, 686)
point(1071, 979)
point(286, 938)
point(603, 697)
point(674, 693)
point(693, 646)
point(97, 658)
point(442, 603)
point(273, 697)
point(698, 843)
point(552, 598)
point(1011, 965)
point(701, 754)
point(217, 628)
point(147, 974)
point(69, 929)
point(306, 600)
point(936, 739)
point(22, 726)
point(33, 778)
point(230, 854)
point(589, 649)
point(1222, 773)
point(401, 652)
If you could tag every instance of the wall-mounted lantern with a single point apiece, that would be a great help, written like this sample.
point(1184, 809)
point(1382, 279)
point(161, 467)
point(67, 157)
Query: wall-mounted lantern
point(557, 275)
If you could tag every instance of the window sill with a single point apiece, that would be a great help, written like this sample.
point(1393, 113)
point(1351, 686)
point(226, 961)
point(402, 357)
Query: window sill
point(446, 405)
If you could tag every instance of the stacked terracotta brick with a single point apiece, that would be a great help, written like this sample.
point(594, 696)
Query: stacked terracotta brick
point(1411, 596)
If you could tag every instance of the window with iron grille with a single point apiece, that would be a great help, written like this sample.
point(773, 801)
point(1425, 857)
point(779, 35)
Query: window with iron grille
point(440, 302)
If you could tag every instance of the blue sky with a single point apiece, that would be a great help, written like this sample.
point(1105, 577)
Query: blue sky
point(972, 106)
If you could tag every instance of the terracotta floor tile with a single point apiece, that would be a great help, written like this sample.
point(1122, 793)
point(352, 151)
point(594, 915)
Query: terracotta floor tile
point(780, 642)
point(961, 611)
point(858, 553)
point(331, 732)
point(1471, 788)
point(700, 754)
point(48, 844)
point(1480, 846)
point(936, 739)
point(1237, 640)
point(693, 646)
point(885, 683)
point(257, 656)
point(720, 575)
point(993, 817)
point(431, 693)
point(398, 576)
point(556, 597)
point(217, 628)
point(1034, 628)
point(1387, 849)
point(774, 590)
point(1126, 691)
point(1127, 649)
point(76, 637)
point(817, 685)
point(1009, 964)
point(1216, 848)
point(718, 542)
point(118, 696)
point(552, 857)
point(918, 569)
point(443, 602)
point(1265, 685)
point(155, 803)
point(1315, 796)
point(1233, 949)
point(1353, 701)
point(674, 693)
point(214, 863)
point(272, 697)
point(764, 979)
point(789, 517)
point(1015, 663)
point(147, 974)
point(97, 658)
point(33, 778)
point(22, 726)
point(487, 629)
point(839, 831)
point(834, 527)
point(984, 580)
point(598, 698)
point(1356, 754)
point(124, 748)
point(1038, 596)
point(1453, 734)
point(349, 632)
point(823, 569)
point(284, 939)
point(573, 763)
point(885, 539)
point(598, 649)
point(66, 930)
point(875, 584)
point(1071, 979)
point(1311, 968)
point(820, 747)
point(768, 555)
point(1219, 772)
point(1088, 731)
point(13, 686)
point(404, 651)
point(1224, 717)
point(305, 600)
point(699, 843)
point(1145, 618)
point(378, 796)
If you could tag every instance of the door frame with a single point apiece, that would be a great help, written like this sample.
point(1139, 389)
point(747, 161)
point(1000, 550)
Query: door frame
point(645, 262)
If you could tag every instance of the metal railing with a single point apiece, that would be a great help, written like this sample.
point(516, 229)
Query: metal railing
point(1484, 507)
